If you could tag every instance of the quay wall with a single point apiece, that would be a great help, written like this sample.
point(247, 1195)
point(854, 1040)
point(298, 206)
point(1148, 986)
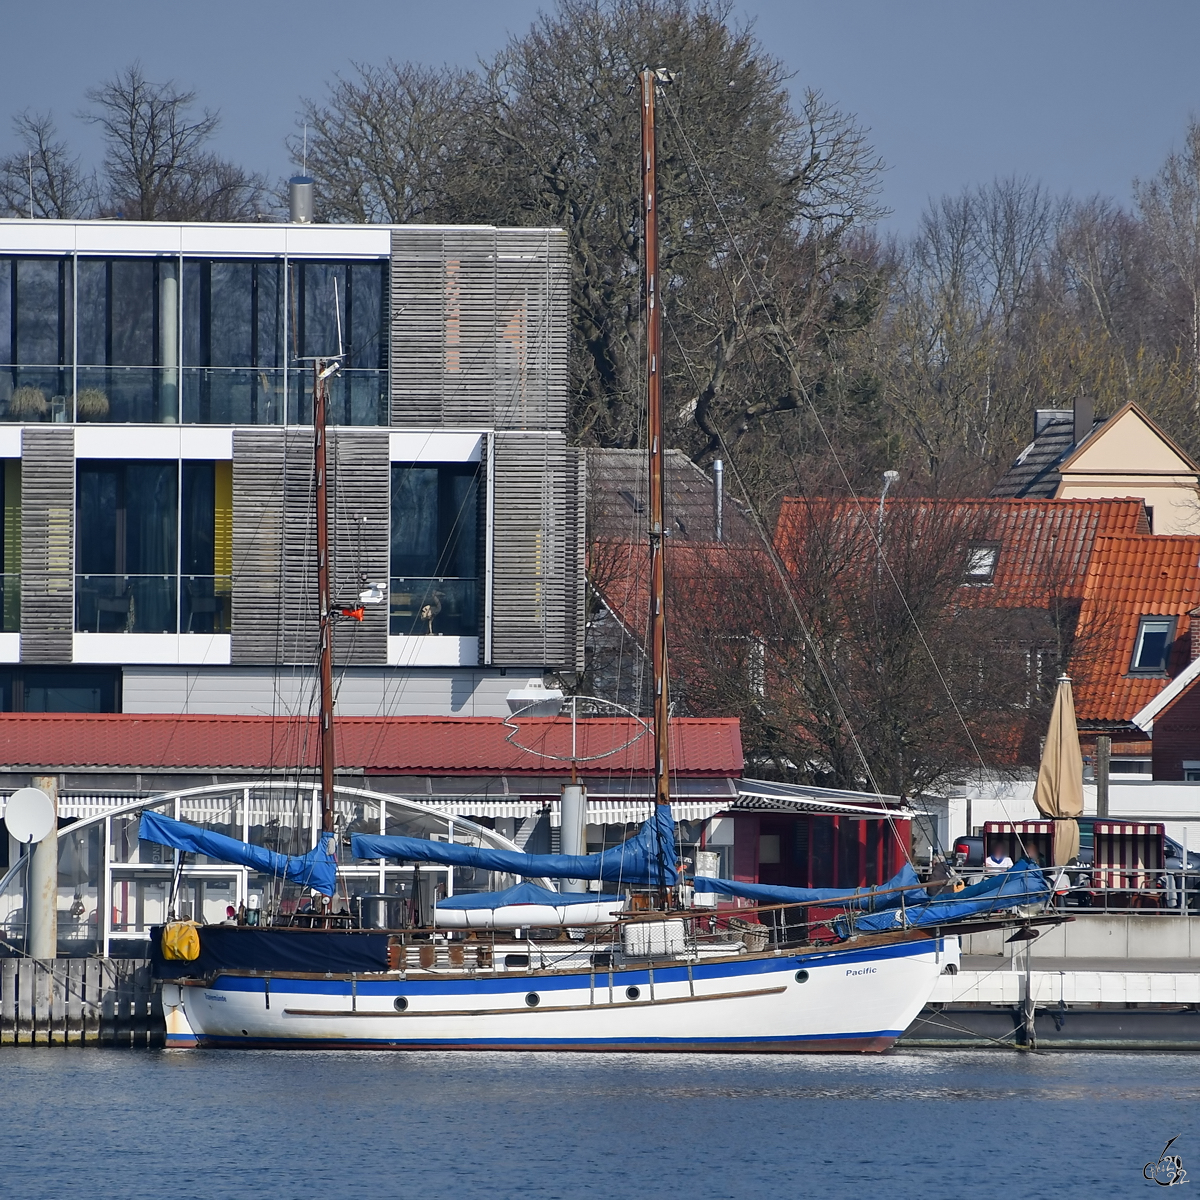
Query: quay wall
point(1115, 936)
point(79, 1001)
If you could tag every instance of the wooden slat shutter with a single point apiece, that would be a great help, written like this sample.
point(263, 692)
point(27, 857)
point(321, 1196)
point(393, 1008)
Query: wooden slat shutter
point(479, 328)
point(537, 577)
point(275, 614)
point(360, 536)
point(47, 544)
point(258, 460)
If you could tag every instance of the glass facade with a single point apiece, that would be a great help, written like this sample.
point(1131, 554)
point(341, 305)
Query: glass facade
point(159, 340)
point(10, 546)
point(326, 296)
point(149, 542)
point(36, 338)
point(435, 550)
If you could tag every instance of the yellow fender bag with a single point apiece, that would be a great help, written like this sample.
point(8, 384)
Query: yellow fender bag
point(180, 941)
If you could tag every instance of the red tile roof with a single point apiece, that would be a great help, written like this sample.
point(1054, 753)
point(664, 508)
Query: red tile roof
point(1131, 577)
point(1043, 546)
point(378, 746)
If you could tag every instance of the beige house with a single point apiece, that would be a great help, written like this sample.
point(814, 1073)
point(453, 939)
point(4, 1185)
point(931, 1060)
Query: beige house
point(1126, 456)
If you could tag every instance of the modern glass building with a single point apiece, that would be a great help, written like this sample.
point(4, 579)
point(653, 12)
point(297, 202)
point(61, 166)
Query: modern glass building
point(157, 540)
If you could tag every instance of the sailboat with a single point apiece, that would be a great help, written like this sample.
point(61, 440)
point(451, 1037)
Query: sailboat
point(532, 968)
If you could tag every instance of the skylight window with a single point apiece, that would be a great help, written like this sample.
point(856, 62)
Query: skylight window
point(981, 563)
point(1151, 646)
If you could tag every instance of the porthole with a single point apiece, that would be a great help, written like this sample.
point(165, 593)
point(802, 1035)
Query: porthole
point(400, 1003)
point(801, 976)
point(532, 999)
point(632, 993)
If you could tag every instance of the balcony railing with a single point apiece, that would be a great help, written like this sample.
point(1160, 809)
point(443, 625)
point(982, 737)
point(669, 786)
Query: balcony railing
point(204, 603)
point(232, 396)
point(429, 607)
point(152, 603)
point(126, 603)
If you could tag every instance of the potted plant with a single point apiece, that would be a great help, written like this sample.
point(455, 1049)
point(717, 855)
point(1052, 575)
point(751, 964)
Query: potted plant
point(90, 404)
point(28, 404)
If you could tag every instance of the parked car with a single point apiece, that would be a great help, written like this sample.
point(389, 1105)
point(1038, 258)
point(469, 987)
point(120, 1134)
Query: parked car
point(967, 852)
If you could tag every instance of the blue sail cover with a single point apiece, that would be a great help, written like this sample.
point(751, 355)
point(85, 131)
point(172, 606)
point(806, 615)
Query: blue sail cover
point(647, 858)
point(524, 893)
point(317, 869)
point(1023, 883)
point(767, 893)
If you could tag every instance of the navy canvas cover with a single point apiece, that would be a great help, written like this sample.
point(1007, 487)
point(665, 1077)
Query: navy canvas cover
point(1021, 884)
point(886, 895)
point(523, 893)
point(647, 858)
point(317, 869)
point(237, 948)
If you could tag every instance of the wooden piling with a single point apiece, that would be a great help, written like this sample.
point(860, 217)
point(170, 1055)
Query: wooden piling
point(76, 1001)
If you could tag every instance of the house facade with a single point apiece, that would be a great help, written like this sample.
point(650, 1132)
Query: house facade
point(156, 435)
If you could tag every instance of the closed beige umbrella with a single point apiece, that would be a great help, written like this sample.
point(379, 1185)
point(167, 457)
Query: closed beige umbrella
point(1059, 791)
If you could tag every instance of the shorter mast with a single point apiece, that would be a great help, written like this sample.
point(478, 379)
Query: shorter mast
point(658, 616)
point(324, 599)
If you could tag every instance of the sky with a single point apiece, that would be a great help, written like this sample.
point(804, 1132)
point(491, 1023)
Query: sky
point(1082, 95)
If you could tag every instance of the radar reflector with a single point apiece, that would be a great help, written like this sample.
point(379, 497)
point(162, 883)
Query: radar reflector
point(29, 815)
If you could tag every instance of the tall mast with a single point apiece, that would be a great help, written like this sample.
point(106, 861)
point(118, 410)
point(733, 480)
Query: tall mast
point(324, 599)
point(658, 615)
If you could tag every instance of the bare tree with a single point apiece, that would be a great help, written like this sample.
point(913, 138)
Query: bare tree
point(43, 179)
point(381, 144)
point(156, 167)
point(1169, 205)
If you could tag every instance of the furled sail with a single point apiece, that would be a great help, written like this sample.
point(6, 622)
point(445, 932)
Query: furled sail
point(317, 869)
point(524, 893)
point(1021, 884)
point(887, 895)
point(646, 859)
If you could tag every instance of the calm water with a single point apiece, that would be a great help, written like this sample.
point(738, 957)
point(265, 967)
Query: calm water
point(178, 1125)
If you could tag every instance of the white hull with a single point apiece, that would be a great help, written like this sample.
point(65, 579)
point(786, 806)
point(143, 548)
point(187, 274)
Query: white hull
point(840, 999)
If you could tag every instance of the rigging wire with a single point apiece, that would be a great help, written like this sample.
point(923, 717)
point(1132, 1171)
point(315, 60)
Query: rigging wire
point(786, 347)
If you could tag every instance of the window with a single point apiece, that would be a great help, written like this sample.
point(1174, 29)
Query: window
point(128, 340)
point(320, 294)
point(1151, 646)
point(145, 562)
point(233, 343)
point(434, 553)
point(1191, 771)
point(981, 563)
point(60, 689)
point(35, 338)
point(10, 546)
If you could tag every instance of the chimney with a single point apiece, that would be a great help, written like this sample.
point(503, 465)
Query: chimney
point(1084, 411)
point(718, 500)
point(300, 200)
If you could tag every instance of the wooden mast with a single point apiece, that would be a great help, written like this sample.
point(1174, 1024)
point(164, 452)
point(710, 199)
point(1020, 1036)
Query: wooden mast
point(324, 599)
point(658, 616)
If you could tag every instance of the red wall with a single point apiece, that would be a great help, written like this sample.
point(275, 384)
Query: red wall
point(1177, 736)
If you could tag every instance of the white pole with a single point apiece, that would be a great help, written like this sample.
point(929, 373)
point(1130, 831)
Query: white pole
point(574, 829)
point(43, 882)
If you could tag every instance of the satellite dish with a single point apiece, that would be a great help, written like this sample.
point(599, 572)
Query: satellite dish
point(29, 815)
